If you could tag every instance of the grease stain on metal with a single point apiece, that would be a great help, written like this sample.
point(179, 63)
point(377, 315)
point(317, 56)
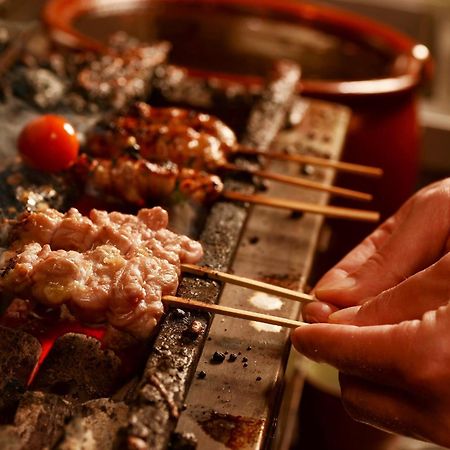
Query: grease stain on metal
point(259, 326)
point(235, 432)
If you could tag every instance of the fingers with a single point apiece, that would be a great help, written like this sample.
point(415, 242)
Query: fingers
point(338, 281)
point(411, 299)
point(410, 241)
point(377, 353)
point(384, 407)
point(316, 312)
point(319, 311)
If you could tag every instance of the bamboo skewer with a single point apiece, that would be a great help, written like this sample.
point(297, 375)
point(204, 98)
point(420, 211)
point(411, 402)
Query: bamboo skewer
point(246, 282)
point(301, 182)
point(181, 302)
point(326, 210)
point(315, 161)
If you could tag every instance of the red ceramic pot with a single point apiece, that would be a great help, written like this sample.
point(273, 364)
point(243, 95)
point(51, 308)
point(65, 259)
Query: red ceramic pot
point(344, 57)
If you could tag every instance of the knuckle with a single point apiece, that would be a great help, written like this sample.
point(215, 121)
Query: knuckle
point(431, 374)
point(375, 311)
point(438, 192)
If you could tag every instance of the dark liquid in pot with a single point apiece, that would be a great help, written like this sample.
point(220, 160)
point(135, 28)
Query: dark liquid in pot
point(231, 40)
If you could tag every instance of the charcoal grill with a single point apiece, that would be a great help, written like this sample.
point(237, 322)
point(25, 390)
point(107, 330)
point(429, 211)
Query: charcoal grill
point(179, 396)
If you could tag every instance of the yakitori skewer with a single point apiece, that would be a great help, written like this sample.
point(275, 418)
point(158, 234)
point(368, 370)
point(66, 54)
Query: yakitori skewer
point(189, 139)
point(181, 302)
point(301, 182)
point(256, 285)
point(342, 166)
point(325, 210)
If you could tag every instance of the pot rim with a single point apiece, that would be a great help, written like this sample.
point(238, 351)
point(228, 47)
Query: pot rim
point(416, 63)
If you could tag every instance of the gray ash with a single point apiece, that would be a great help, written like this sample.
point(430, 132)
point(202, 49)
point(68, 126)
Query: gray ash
point(38, 86)
point(25, 189)
point(86, 81)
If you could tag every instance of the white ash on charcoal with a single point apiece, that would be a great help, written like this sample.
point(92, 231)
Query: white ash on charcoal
point(39, 421)
point(25, 189)
point(78, 369)
point(38, 86)
point(85, 81)
point(95, 424)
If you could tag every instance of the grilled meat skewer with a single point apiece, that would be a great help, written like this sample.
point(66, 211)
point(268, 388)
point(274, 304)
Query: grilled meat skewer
point(187, 138)
point(108, 267)
point(138, 181)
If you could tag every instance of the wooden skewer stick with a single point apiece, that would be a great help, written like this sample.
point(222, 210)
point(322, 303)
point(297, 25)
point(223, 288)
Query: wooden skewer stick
point(246, 282)
point(301, 182)
point(326, 210)
point(315, 161)
point(181, 302)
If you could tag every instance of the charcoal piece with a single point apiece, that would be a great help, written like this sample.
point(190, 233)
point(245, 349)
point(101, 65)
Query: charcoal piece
point(40, 87)
point(183, 441)
point(95, 426)
point(23, 188)
point(269, 113)
point(9, 438)
point(40, 420)
point(117, 78)
point(5, 38)
point(172, 85)
point(218, 358)
point(19, 353)
point(78, 369)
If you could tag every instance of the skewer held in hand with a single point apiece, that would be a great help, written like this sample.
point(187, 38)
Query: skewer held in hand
point(180, 302)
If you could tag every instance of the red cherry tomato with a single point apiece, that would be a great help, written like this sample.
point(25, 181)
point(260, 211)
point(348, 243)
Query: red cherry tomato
point(48, 143)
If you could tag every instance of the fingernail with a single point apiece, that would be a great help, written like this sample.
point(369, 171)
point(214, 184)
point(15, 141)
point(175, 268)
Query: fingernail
point(338, 285)
point(344, 316)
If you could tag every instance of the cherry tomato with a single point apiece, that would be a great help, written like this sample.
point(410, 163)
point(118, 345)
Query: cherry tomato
point(48, 143)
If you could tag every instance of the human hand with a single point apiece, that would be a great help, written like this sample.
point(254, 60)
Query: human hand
point(394, 376)
point(393, 350)
point(415, 237)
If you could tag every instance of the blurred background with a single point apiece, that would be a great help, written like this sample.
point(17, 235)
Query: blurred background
point(428, 22)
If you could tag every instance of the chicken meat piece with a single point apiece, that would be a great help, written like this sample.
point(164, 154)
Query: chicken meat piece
point(140, 181)
point(187, 138)
point(108, 267)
